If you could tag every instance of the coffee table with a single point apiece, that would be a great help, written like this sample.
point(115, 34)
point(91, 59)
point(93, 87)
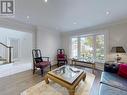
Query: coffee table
point(66, 76)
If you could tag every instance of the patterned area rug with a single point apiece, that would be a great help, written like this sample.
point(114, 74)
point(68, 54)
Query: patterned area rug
point(53, 88)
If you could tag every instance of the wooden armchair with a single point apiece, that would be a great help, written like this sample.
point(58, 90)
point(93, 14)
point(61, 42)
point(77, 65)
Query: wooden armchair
point(61, 57)
point(39, 61)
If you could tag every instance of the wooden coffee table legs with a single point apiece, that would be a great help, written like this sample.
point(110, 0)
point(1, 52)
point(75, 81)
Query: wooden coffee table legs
point(70, 87)
point(93, 67)
point(46, 80)
point(72, 90)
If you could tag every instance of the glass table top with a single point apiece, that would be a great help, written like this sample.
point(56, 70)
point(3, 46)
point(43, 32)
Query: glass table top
point(66, 73)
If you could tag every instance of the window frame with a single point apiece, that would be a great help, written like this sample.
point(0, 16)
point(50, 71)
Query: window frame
point(94, 44)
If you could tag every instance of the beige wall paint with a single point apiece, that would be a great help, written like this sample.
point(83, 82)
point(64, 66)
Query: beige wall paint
point(48, 41)
point(118, 37)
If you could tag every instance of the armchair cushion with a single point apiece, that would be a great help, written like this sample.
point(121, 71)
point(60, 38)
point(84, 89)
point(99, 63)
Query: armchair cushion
point(60, 56)
point(122, 70)
point(43, 64)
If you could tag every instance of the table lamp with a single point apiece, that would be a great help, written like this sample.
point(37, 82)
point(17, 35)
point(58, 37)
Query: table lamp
point(118, 49)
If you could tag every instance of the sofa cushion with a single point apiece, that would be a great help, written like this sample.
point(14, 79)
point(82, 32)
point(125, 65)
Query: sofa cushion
point(122, 70)
point(114, 80)
point(113, 68)
point(109, 90)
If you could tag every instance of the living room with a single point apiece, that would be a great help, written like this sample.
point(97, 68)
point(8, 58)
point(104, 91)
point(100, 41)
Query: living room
point(63, 47)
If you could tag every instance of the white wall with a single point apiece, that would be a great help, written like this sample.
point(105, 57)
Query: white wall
point(45, 39)
point(116, 35)
point(26, 38)
point(19, 26)
point(48, 41)
point(24, 46)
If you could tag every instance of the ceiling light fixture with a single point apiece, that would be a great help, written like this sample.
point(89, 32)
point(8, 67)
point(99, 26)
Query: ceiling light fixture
point(27, 17)
point(46, 1)
point(107, 12)
point(74, 23)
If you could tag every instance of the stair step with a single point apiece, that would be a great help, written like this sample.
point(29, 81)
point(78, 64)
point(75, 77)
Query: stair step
point(3, 59)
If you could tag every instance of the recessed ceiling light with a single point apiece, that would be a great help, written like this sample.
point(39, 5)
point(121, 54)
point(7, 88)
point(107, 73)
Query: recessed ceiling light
point(46, 1)
point(27, 17)
point(107, 12)
point(74, 23)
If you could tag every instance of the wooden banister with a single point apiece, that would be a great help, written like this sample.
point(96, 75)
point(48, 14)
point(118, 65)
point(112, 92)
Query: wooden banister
point(9, 47)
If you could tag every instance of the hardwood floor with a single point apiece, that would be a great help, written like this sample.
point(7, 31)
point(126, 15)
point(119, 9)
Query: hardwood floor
point(96, 84)
point(15, 84)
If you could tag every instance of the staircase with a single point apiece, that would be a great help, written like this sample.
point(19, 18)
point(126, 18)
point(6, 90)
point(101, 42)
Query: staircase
point(9, 59)
point(3, 61)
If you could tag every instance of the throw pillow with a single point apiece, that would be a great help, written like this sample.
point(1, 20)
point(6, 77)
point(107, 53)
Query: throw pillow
point(122, 70)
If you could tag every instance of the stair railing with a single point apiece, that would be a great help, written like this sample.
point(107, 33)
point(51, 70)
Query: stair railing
point(10, 48)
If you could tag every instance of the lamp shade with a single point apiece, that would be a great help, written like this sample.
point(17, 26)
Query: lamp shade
point(118, 49)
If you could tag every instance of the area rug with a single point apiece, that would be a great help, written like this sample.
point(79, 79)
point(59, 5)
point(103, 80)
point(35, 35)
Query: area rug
point(53, 88)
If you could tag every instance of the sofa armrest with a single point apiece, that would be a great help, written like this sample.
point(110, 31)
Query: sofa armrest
point(112, 68)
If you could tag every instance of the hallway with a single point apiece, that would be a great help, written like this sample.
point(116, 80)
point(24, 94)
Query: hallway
point(13, 68)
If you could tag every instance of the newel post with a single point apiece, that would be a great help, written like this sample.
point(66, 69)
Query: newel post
point(10, 48)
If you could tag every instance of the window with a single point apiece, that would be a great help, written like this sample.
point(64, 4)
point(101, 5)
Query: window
point(74, 47)
point(100, 50)
point(86, 48)
point(90, 48)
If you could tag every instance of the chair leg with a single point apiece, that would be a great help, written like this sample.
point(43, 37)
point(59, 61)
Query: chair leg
point(33, 69)
point(50, 67)
point(42, 71)
point(66, 62)
point(58, 63)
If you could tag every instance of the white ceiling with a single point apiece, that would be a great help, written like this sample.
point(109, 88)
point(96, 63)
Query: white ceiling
point(61, 14)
